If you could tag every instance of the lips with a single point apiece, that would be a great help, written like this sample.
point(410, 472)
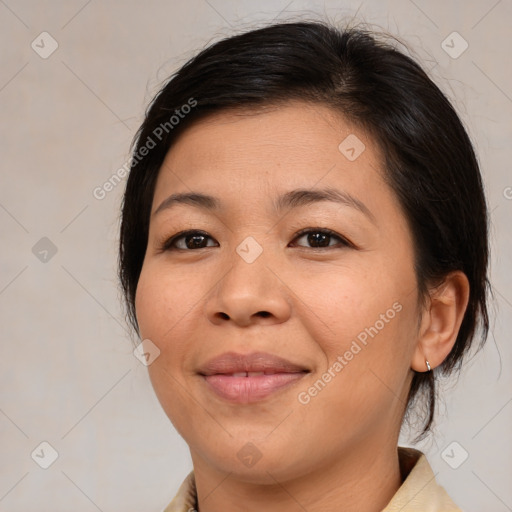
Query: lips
point(262, 362)
point(247, 378)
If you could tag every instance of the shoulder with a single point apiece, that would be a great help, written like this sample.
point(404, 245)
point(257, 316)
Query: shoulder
point(186, 497)
point(419, 491)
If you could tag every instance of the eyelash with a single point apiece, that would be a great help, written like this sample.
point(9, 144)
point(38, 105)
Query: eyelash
point(167, 244)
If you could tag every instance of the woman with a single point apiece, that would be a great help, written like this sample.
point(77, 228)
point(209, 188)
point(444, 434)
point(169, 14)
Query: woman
point(303, 249)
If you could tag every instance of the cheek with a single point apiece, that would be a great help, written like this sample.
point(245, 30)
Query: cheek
point(162, 313)
point(355, 304)
point(364, 382)
point(145, 295)
point(162, 302)
point(365, 323)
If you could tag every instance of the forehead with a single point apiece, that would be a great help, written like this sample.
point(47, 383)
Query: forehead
point(295, 145)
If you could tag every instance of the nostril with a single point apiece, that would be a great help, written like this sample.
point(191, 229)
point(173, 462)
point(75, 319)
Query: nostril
point(264, 314)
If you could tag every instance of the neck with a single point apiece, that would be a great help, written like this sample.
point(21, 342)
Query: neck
point(364, 481)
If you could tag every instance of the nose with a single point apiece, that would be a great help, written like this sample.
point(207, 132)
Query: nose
point(249, 293)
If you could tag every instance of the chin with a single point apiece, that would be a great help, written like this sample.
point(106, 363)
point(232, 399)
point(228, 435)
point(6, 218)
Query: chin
point(256, 462)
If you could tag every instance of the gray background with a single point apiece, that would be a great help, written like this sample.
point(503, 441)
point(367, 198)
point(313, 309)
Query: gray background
point(67, 372)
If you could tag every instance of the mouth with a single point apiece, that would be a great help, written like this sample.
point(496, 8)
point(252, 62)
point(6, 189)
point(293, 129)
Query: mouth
point(245, 379)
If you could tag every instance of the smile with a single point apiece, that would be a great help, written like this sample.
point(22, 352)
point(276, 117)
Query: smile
point(247, 378)
point(248, 387)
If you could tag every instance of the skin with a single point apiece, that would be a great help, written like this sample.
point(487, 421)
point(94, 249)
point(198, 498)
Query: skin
point(302, 303)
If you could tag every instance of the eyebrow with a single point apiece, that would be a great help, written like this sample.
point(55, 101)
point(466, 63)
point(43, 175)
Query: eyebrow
point(289, 200)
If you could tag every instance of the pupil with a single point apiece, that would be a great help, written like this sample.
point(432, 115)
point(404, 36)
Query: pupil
point(193, 241)
point(316, 239)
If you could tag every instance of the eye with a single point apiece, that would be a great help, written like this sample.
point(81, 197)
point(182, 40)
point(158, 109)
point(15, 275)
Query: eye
point(187, 240)
point(319, 238)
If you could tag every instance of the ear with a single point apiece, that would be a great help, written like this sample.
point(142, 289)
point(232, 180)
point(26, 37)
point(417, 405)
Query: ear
point(441, 320)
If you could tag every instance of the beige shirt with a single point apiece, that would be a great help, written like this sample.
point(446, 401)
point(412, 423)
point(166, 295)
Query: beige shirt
point(419, 491)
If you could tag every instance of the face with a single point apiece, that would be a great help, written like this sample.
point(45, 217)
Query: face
point(322, 279)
